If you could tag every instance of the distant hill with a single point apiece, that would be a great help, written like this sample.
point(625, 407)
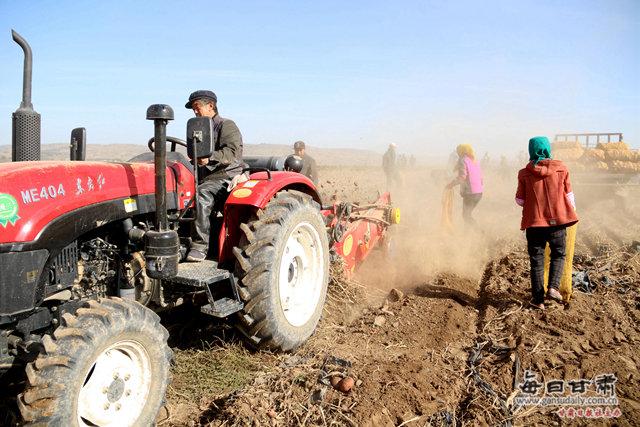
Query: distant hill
point(121, 152)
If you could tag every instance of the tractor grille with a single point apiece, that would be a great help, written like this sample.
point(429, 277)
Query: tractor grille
point(64, 268)
point(26, 136)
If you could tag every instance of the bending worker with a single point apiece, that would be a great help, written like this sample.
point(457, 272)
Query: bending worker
point(217, 173)
point(469, 178)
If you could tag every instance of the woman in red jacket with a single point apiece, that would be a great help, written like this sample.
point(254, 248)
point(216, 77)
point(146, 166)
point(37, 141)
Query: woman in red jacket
point(544, 192)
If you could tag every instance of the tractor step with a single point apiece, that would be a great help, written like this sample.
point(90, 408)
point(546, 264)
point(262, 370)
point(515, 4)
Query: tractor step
point(222, 307)
point(199, 274)
point(219, 285)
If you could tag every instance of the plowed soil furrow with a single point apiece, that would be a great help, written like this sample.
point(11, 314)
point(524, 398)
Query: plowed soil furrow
point(454, 349)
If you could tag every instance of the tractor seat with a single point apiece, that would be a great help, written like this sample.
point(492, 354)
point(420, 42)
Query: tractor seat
point(272, 163)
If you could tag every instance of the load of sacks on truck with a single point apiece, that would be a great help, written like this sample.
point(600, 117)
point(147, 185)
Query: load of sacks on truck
point(606, 157)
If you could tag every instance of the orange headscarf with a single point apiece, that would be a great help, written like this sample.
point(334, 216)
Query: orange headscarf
point(465, 150)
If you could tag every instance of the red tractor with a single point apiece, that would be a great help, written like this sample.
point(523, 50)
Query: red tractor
point(89, 250)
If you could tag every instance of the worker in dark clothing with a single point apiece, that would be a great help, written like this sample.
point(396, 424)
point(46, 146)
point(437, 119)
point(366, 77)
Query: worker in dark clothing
point(309, 167)
point(390, 166)
point(219, 173)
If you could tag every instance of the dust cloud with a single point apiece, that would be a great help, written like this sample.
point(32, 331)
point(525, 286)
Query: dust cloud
point(422, 248)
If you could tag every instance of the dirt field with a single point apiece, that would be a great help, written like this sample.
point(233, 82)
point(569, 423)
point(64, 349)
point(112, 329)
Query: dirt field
point(439, 335)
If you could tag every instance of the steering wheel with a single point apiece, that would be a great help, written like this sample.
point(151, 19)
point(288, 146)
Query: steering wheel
point(172, 139)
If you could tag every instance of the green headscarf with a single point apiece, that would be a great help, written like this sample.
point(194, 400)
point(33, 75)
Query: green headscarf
point(539, 149)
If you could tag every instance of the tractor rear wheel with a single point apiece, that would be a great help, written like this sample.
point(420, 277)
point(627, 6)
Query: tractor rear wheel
point(283, 266)
point(107, 366)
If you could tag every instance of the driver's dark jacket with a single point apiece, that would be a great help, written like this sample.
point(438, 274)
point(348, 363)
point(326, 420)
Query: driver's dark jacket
point(226, 160)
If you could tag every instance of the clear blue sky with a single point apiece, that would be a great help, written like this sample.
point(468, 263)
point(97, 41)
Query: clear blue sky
point(424, 74)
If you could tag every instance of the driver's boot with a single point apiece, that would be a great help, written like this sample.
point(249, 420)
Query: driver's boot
point(196, 254)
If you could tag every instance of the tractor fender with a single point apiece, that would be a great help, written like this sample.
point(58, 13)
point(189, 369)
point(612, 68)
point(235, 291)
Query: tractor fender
point(254, 194)
point(262, 186)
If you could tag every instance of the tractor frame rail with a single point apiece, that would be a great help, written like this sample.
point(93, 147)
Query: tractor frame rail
point(565, 137)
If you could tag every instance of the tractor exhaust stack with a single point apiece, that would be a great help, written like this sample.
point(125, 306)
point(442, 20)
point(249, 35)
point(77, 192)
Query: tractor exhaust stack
point(162, 245)
point(25, 137)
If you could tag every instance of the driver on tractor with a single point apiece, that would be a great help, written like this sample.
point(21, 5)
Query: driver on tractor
point(218, 173)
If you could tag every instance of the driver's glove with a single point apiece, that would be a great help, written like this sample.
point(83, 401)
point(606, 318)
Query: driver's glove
point(238, 179)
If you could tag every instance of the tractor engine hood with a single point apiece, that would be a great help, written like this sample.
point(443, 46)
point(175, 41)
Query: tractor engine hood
point(35, 194)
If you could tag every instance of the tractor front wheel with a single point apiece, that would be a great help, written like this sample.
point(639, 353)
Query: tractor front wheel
point(107, 366)
point(283, 265)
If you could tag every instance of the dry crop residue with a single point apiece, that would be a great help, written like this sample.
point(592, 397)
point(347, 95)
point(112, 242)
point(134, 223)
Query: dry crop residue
point(598, 333)
point(454, 347)
point(407, 366)
point(449, 353)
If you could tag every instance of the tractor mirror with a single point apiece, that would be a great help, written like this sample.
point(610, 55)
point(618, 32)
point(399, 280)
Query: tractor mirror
point(199, 137)
point(78, 147)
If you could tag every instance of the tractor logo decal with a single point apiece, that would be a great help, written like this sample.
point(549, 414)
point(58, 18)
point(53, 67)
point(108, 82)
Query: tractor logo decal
point(241, 193)
point(8, 209)
point(347, 245)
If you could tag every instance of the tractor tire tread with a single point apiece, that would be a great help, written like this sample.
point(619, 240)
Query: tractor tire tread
point(52, 377)
point(247, 232)
point(254, 264)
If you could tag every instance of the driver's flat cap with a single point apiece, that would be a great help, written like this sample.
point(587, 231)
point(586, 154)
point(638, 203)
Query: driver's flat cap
point(200, 94)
